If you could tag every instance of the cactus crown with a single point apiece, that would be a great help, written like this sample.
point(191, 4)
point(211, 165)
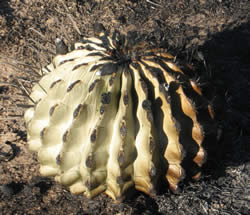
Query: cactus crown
point(113, 114)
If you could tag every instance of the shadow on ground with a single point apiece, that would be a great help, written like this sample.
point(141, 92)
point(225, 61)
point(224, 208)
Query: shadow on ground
point(228, 55)
point(6, 11)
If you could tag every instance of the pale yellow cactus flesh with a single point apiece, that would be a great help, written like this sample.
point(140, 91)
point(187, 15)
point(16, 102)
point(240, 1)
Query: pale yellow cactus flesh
point(106, 119)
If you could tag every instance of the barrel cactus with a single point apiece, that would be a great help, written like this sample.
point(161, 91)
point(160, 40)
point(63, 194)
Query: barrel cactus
point(112, 114)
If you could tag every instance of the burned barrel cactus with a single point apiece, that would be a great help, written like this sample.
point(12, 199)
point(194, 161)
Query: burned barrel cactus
point(112, 114)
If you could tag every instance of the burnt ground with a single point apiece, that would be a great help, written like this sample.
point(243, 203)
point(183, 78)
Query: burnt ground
point(218, 30)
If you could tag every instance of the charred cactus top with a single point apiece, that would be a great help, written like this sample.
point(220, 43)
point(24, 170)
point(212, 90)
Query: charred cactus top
point(113, 114)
